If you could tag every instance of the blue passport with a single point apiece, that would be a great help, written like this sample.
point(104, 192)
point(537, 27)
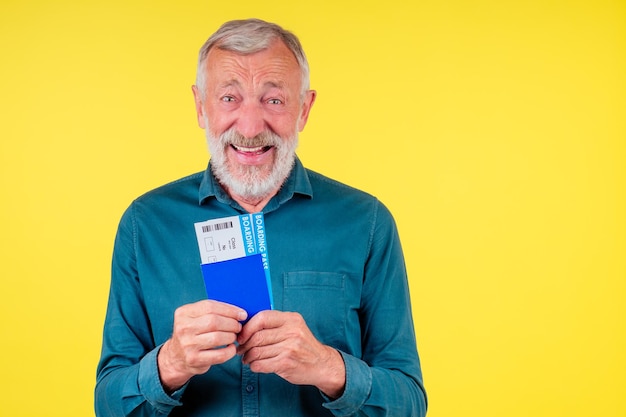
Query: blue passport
point(234, 261)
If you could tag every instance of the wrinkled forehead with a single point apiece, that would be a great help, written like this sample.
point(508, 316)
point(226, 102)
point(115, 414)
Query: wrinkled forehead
point(275, 66)
point(249, 44)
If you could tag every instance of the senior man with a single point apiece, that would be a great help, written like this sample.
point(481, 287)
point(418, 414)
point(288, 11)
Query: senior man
point(340, 339)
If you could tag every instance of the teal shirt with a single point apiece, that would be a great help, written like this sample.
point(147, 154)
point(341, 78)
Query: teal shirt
point(335, 258)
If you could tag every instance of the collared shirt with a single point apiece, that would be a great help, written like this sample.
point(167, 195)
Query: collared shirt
point(335, 258)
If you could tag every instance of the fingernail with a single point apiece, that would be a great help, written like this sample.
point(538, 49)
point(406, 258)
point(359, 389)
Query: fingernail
point(242, 315)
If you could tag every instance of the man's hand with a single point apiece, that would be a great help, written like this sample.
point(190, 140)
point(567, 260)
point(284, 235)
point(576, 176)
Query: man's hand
point(281, 343)
point(204, 335)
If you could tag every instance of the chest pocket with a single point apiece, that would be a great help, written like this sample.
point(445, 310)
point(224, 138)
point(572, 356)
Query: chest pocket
point(320, 298)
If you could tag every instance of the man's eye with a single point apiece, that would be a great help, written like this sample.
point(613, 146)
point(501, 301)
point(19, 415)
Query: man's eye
point(274, 101)
point(228, 99)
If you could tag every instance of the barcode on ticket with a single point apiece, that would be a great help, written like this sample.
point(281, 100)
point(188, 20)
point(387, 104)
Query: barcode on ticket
point(217, 226)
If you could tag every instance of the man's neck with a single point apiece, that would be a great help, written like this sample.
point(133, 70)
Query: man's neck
point(253, 205)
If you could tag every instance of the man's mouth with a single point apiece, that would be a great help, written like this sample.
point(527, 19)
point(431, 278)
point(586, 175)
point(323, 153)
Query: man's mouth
point(258, 150)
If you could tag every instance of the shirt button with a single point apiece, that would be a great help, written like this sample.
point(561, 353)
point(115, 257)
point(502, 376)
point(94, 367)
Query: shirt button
point(249, 388)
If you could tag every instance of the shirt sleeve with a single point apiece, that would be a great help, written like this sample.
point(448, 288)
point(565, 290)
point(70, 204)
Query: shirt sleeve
point(128, 378)
point(387, 379)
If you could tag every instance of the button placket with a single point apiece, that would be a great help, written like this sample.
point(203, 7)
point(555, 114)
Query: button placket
point(249, 392)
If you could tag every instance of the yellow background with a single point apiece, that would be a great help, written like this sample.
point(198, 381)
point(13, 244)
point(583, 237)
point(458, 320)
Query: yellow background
point(494, 130)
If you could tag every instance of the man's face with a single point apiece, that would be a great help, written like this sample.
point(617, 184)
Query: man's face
point(252, 110)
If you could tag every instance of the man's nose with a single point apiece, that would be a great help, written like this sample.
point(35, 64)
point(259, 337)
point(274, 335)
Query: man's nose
point(250, 122)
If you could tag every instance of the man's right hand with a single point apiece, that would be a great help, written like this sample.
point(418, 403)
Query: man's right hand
point(204, 335)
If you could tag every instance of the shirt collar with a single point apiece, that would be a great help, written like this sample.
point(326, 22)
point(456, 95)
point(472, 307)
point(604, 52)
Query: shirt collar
point(296, 183)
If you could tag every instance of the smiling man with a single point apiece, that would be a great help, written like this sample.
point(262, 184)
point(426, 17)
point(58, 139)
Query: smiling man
point(252, 107)
point(340, 340)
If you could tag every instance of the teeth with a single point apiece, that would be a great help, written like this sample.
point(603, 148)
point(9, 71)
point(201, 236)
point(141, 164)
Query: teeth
point(251, 150)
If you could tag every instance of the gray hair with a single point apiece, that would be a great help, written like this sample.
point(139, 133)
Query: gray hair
point(248, 37)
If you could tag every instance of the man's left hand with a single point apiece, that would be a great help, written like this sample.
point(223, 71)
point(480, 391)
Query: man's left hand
point(282, 343)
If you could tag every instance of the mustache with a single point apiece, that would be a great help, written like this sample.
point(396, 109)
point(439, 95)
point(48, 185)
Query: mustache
point(264, 139)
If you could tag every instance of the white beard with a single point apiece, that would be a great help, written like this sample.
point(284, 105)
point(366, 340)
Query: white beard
point(248, 181)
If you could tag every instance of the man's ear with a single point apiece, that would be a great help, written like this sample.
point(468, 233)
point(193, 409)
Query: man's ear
point(199, 107)
point(307, 103)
